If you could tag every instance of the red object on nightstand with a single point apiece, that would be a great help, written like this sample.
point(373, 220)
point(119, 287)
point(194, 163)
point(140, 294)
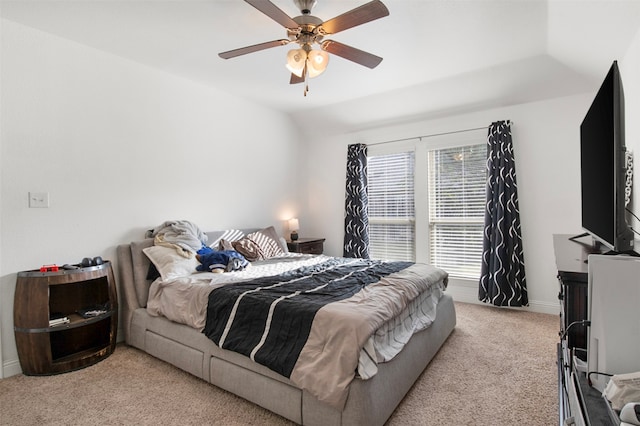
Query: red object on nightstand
point(49, 268)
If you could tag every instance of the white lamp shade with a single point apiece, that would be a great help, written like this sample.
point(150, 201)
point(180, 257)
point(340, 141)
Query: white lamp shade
point(296, 60)
point(293, 224)
point(317, 62)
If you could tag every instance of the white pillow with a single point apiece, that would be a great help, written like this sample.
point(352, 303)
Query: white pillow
point(169, 263)
point(283, 244)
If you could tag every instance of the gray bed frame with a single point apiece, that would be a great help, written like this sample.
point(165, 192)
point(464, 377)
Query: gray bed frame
point(370, 402)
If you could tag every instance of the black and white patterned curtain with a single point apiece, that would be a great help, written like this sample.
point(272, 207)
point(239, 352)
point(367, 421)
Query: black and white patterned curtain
point(356, 221)
point(502, 280)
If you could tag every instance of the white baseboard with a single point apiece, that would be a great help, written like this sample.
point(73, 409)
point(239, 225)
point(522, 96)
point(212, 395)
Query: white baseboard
point(11, 368)
point(470, 295)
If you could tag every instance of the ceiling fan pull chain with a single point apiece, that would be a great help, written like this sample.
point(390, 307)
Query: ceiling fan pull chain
point(306, 80)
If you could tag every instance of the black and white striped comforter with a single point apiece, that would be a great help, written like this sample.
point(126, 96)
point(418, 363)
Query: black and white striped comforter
point(312, 324)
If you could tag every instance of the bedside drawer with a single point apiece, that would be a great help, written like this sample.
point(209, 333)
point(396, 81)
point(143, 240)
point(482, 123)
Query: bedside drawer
point(312, 248)
point(307, 246)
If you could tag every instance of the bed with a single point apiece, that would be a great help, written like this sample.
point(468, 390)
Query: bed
point(318, 387)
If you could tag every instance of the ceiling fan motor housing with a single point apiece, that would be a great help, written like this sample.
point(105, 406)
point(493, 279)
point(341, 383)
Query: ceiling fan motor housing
point(306, 32)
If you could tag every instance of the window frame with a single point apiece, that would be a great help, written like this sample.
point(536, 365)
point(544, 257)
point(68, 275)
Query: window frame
point(421, 147)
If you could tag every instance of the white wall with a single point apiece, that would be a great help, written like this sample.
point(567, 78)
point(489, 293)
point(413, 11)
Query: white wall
point(546, 142)
point(120, 148)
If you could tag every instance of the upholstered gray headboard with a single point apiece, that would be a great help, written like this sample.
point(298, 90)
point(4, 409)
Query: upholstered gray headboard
point(133, 268)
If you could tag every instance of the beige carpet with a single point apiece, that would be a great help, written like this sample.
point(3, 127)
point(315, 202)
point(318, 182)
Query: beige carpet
point(497, 368)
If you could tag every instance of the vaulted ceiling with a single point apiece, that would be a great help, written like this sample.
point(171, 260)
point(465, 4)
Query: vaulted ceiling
point(440, 56)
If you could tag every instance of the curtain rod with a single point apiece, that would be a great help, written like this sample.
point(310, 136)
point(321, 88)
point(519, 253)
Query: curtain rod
point(430, 136)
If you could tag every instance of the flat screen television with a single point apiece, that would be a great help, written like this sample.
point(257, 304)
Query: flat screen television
point(603, 170)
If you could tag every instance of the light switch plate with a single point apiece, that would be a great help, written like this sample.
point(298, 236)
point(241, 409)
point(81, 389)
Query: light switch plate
point(38, 199)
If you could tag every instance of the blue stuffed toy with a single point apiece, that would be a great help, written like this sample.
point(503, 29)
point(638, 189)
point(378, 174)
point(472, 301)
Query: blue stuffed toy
point(221, 261)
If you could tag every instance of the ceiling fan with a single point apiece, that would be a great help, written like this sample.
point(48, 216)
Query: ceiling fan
point(308, 31)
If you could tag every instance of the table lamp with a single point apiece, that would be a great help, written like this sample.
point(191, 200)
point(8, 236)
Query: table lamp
point(293, 227)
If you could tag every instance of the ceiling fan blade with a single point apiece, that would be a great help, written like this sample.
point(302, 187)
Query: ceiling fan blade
point(250, 49)
point(360, 15)
point(273, 12)
point(295, 79)
point(351, 53)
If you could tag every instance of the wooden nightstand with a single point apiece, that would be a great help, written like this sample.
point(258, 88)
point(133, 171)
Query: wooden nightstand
point(306, 245)
point(46, 348)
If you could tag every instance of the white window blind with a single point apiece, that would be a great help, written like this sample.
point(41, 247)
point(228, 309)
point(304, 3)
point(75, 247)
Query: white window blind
point(391, 206)
point(456, 186)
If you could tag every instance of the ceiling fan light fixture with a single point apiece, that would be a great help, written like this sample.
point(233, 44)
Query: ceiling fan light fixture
point(296, 60)
point(317, 62)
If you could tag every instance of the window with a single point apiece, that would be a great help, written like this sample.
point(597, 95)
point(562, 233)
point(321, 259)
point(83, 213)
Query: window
point(426, 203)
point(456, 184)
point(391, 206)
